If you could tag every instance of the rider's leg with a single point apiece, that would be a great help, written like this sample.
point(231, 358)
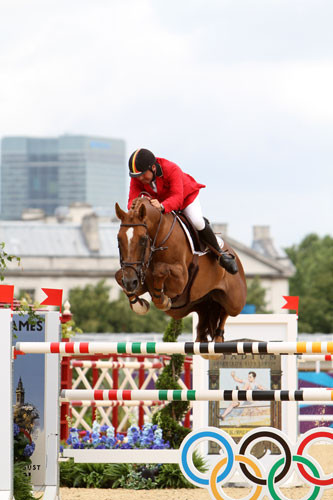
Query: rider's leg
point(206, 234)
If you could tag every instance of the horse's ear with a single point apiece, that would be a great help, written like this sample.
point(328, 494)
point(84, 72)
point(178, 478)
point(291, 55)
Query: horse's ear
point(142, 212)
point(119, 212)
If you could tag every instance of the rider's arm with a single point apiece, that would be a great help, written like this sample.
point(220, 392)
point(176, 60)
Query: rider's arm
point(175, 199)
point(136, 187)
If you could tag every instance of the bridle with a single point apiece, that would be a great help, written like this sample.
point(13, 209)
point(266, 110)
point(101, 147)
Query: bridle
point(140, 266)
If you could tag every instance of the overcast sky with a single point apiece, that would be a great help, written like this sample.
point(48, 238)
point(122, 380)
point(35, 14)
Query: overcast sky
point(237, 92)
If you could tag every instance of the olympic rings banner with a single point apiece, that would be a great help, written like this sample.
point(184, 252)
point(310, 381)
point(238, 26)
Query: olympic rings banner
point(293, 458)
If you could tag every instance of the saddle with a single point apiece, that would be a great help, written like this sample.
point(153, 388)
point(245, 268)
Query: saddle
point(198, 245)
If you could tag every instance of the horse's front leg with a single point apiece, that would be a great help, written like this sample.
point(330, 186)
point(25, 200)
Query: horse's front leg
point(139, 306)
point(168, 281)
point(160, 274)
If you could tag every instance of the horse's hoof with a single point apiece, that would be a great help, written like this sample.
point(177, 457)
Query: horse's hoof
point(211, 356)
point(166, 305)
point(141, 306)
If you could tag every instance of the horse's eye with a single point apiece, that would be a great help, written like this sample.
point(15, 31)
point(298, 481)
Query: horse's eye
point(143, 240)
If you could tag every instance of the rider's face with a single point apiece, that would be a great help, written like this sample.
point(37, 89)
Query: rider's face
point(147, 176)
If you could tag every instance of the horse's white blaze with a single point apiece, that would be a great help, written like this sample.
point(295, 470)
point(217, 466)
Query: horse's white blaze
point(129, 234)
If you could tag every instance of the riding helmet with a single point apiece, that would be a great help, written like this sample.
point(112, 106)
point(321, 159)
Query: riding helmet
point(140, 161)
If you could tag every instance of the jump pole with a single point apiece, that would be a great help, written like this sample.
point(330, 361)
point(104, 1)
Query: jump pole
point(174, 348)
point(193, 395)
point(111, 404)
point(136, 365)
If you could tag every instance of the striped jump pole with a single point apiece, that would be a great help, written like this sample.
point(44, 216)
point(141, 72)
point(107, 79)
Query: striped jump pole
point(175, 347)
point(193, 395)
point(316, 357)
point(147, 365)
point(112, 404)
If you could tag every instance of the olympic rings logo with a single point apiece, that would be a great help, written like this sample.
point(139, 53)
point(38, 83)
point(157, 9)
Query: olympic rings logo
point(273, 468)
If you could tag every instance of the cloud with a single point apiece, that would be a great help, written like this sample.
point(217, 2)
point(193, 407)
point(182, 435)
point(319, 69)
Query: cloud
point(237, 93)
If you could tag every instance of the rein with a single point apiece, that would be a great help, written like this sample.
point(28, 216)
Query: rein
point(140, 266)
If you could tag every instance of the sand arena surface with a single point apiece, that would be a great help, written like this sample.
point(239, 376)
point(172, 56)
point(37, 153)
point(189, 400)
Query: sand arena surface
point(323, 453)
point(179, 494)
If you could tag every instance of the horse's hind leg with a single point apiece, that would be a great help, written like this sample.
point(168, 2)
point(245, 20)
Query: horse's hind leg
point(209, 314)
point(219, 332)
point(202, 327)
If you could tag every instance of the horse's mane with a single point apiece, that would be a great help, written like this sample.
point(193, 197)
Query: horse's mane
point(136, 204)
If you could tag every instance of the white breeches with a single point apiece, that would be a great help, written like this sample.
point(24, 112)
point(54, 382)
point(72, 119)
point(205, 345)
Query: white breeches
point(194, 213)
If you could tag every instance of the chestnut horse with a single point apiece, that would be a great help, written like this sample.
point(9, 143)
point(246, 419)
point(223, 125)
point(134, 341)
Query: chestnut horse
point(156, 257)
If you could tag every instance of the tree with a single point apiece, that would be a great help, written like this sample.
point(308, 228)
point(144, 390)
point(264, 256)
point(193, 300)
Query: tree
point(256, 295)
point(313, 282)
point(94, 312)
point(91, 307)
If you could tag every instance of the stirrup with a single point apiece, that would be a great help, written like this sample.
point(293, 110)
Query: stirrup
point(228, 262)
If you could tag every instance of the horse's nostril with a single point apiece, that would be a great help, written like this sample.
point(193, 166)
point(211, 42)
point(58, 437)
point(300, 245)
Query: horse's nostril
point(131, 284)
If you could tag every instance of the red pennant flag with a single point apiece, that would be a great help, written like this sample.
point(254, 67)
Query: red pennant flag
point(292, 302)
point(7, 294)
point(54, 297)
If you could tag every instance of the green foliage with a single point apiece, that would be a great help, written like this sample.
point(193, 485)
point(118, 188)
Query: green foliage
point(92, 475)
point(256, 295)
point(170, 417)
point(136, 479)
point(170, 475)
point(93, 312)
point(22, 483)
point(4, 259)
point(27, 308)
point(127, 476)
point(313, 283)
point(90, 307)
point(69, 328)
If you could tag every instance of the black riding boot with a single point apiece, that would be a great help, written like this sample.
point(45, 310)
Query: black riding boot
point(226, 260)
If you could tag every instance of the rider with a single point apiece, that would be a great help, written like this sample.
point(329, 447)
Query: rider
point(172, 189)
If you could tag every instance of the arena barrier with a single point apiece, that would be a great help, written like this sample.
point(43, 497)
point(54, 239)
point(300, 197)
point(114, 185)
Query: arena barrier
point(194, 395)
point(174, 348)
point(169, 456)
point(265, 479)
point(44, 468)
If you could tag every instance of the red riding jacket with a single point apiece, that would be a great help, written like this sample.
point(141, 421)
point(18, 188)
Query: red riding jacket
point(175, 189)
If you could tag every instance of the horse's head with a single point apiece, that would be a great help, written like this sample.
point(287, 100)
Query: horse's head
point(134, 245)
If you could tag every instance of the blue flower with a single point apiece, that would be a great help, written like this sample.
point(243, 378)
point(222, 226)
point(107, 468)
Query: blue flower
point(16, 430)
point(28, 450)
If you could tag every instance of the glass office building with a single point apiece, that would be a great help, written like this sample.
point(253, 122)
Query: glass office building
point(47, 173)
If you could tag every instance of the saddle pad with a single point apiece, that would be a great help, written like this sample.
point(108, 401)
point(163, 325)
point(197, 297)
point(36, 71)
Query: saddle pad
point(189, 237)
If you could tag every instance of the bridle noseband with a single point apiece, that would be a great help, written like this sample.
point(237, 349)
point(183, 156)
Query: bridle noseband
point(140, 266)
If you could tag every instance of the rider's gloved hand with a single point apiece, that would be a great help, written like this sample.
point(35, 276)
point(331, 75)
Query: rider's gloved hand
point(157, 204)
